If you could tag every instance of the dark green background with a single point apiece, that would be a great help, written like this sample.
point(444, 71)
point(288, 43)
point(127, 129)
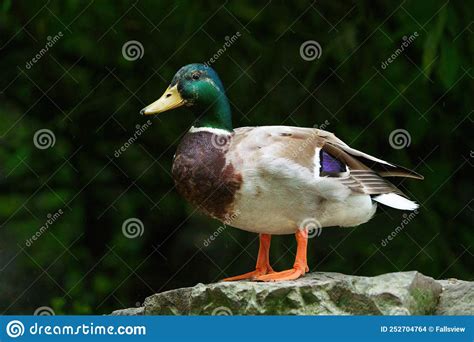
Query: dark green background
point(90, 96)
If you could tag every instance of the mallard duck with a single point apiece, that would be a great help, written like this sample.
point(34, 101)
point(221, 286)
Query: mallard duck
point(271, 180)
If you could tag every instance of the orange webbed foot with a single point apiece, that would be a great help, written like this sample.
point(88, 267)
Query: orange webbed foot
point(300, 266)
point(251, 275)
point(290, 274)
point(263, 261)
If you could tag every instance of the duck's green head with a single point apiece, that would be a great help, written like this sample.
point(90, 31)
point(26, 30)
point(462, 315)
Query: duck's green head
point(198, 87)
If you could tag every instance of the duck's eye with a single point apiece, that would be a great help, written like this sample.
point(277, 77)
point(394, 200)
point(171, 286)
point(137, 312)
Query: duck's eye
point(195, 76)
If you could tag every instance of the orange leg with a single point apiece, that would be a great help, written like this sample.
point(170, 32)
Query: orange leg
point(300, 266)
point(263, 261)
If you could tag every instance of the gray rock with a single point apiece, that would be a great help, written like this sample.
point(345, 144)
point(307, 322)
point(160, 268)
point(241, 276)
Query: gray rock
point(129, 312)
point(457, 298)
point(404, 293)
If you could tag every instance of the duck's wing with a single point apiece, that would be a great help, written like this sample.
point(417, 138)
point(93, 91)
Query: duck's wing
point(314, 157)
point(381, 167)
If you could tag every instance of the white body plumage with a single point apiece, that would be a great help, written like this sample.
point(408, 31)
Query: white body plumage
point(283, 187)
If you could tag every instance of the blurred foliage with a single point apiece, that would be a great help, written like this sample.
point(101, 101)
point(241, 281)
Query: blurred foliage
point(84, 91)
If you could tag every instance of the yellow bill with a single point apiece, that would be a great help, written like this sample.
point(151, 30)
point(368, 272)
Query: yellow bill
point(169, 100)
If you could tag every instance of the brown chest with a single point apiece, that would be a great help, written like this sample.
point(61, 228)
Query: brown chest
point(202, 175)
